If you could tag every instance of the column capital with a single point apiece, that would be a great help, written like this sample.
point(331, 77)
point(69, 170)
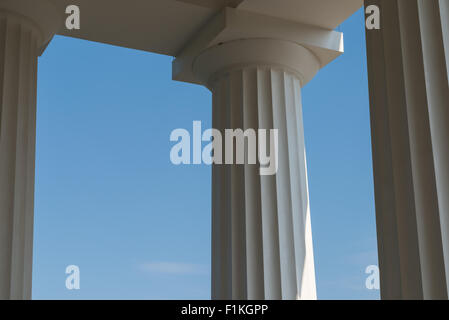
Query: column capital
point(238, 36)
point(41, 15)
point(237, 54)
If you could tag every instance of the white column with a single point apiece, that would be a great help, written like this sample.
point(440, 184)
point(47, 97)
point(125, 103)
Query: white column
point(437, 86)
point(409, 99)
point(261, 228)
point(21, 40)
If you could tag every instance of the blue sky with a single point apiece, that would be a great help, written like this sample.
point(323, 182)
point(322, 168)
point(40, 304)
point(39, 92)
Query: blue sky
point(109, 200)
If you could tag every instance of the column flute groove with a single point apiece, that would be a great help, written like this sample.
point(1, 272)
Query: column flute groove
point(270, 225)
point(253, 195)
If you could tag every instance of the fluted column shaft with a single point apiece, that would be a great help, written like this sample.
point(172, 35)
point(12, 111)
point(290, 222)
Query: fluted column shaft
point(21, 41)
point(409, 98)
point(261, 224)
point(261, 228)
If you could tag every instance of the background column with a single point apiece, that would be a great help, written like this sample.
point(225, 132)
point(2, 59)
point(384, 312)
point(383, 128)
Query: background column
point(21, 41)
point(409, 99)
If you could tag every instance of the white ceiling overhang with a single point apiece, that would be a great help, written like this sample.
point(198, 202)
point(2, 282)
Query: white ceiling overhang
point(166, 26)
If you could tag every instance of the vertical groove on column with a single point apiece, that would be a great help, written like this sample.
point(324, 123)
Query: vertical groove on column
point(18, 258)
point(295, 180)
point(221, 224)
point(438, 102)
point(268, 187)
point(3, 25)
point(444, 13)
point(215, 219)
point(386, 224)
point(254, 239)
point(308, 286)
point(30, 172)
point(426, 200)
point(284, 192)
point(18, 63)
point(226, 219)
point(237, 189)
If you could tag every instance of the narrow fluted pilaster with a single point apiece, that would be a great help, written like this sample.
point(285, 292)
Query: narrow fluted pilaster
point(409, 122)
point(261, 223)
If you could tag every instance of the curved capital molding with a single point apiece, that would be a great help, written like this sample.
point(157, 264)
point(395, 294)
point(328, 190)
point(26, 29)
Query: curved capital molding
point(224, 57)
point(40, 13)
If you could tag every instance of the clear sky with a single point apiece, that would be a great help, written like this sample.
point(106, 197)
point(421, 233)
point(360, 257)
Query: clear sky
point(109, 200)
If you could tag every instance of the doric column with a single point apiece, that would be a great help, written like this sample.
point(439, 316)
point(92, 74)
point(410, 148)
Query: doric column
point(26, 26)
point(261, 230)
point(255, 67)
point(409, 97)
